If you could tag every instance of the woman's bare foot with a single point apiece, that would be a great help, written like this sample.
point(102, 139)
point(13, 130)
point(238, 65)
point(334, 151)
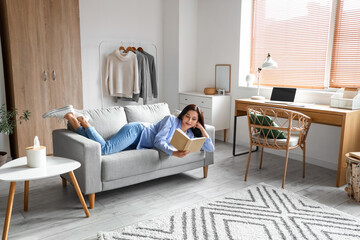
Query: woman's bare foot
point(83, 122)
point(72, 120)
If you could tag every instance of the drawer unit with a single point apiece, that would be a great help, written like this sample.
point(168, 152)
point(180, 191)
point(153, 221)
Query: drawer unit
point(216, 108)
point(198, 100)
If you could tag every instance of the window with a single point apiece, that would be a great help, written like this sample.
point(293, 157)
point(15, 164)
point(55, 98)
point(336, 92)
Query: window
point(298, 35)
point(346, 51)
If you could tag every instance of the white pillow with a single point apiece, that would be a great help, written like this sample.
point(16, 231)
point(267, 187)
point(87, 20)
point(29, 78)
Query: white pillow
point(152, 113)
point(176, 112)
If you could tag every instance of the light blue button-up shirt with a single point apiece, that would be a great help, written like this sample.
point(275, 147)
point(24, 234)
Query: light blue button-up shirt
point(159, 136)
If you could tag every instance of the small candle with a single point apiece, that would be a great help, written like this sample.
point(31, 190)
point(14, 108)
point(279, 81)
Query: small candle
point(36, 154)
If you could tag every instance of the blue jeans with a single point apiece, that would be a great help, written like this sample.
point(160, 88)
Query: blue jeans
point(126, 138)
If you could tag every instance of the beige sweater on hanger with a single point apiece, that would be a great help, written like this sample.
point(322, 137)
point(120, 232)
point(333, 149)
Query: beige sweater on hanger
point(121, 79)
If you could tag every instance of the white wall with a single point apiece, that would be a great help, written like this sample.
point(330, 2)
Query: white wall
point(171, 52)
point(126, 20)
point(218, 39)
point(188, 11)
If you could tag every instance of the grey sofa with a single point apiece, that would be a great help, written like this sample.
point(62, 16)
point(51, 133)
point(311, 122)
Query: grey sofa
point(105, 172)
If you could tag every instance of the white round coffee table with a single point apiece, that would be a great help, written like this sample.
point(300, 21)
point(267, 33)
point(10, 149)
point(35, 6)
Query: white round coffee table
point(17, 170)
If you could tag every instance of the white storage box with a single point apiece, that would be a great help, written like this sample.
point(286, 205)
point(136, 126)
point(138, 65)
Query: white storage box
point(349, 99)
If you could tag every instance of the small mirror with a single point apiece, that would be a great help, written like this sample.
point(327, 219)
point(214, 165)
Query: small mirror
point(223, 77)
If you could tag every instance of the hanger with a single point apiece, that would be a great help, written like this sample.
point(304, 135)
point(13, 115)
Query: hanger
point(121, 47)
point(130, 49)
point(140, 49)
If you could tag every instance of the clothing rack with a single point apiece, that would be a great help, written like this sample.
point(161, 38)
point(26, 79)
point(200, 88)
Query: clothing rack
point(106, 47)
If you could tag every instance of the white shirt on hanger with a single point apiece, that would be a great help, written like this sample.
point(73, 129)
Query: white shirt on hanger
point(121, 79)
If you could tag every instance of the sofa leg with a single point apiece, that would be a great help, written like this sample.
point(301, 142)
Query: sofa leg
point(92, 200)
point(64, 182)
point(205, 171)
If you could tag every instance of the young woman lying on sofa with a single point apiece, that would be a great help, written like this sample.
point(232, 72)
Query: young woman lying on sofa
point(135, 135)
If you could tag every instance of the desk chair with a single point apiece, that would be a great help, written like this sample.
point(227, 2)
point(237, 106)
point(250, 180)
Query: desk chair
point(277, 128)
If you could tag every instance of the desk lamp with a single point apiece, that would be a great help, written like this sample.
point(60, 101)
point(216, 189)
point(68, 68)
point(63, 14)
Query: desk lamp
point(268, 64)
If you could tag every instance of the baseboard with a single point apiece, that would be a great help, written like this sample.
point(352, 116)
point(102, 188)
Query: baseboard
point(296, 156)
point(315, 161)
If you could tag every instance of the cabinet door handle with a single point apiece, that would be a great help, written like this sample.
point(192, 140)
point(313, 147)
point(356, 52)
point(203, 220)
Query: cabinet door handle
point(54, 75)
point(45, 76)
point(185, 99)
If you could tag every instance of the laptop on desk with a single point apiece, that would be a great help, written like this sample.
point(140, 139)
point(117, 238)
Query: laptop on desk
point(281, 95)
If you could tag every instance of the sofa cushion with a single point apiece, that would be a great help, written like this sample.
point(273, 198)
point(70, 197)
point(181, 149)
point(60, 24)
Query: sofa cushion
point(129, 163)
point(260, 119)
point(170, 161)
point(107, 121)
point(152, 113)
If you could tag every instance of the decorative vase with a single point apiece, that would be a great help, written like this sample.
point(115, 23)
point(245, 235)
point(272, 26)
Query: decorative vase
point(3, 157)
point(250, 79)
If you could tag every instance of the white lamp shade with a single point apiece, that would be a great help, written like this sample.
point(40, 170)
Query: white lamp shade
point(269, 63)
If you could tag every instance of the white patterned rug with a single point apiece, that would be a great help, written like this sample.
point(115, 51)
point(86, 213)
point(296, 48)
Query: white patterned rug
point(257, 212)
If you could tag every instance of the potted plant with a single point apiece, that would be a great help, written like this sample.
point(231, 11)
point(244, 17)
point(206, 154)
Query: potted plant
point(8, 120)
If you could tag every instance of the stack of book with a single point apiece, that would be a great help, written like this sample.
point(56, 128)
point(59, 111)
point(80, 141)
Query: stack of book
point(355, 155)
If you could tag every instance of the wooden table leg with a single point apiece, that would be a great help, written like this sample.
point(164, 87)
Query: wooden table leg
point(63, 182)
point(78, 191)
point(26, 196)
point(9, 210)
point(349, 142)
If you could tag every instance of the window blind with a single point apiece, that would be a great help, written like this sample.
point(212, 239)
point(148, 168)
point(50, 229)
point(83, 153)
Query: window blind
point(296, 33)
point(345, 70)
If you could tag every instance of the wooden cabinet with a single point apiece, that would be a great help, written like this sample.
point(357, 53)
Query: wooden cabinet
point(216, 108)
point(42, 64)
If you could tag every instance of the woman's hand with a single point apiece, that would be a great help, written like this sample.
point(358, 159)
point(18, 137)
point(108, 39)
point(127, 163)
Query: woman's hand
point(199, 126)
point(180, 154)
point(202, 129)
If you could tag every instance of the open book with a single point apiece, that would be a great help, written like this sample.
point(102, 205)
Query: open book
point(183, 143)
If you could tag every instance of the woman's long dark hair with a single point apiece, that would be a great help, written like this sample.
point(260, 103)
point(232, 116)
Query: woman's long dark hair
point(193, 107)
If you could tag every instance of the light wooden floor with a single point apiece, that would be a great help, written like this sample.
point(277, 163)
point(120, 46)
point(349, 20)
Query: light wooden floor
point(56, 213)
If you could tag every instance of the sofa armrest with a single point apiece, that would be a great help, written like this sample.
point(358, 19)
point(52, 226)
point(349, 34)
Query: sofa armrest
point(209, 156)
point(71, 145)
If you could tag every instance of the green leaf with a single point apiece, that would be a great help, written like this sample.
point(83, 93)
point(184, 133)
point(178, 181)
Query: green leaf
point(8, 119)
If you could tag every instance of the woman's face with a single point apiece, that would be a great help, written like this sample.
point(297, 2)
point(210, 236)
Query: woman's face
point(189, 120)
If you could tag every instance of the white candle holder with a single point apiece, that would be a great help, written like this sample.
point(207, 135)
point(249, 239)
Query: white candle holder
point(36, 157)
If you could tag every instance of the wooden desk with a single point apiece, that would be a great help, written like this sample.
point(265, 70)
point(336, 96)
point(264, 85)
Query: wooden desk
point(348, 120)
